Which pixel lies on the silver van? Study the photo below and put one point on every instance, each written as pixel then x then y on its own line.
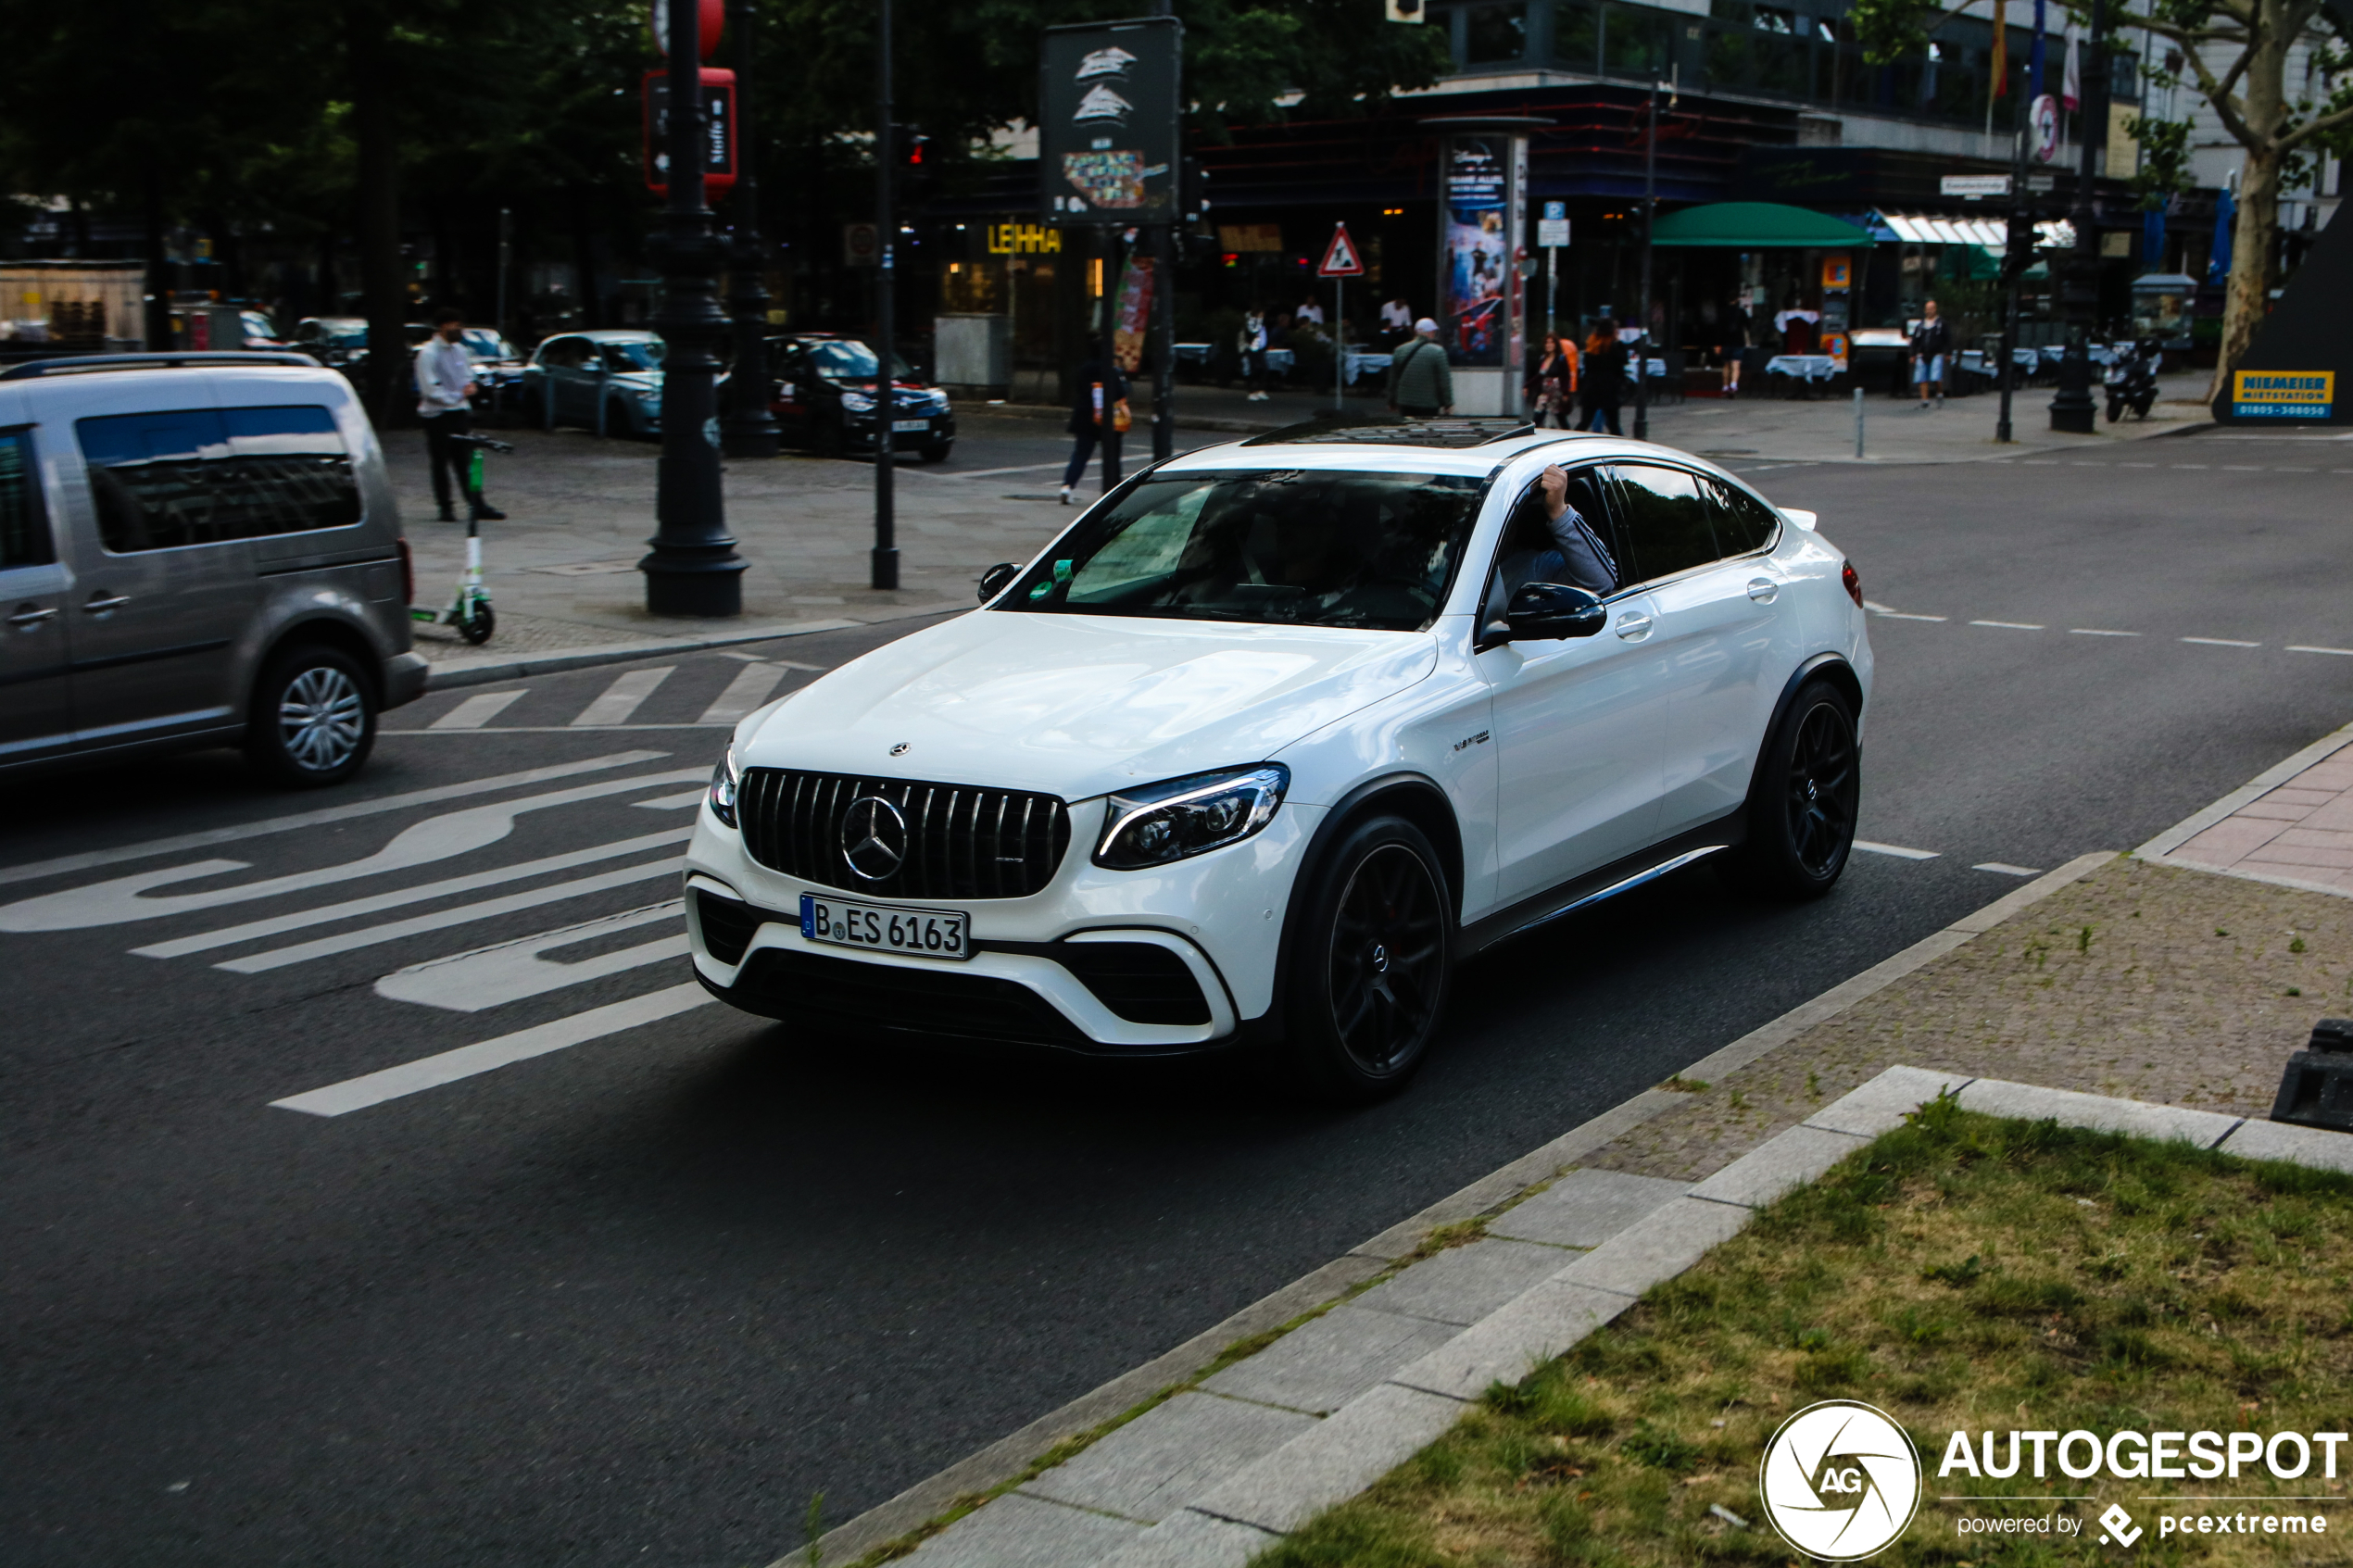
pixel 197 549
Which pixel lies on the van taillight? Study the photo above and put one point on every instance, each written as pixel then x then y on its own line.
pixel 1854 583
pixel 408 574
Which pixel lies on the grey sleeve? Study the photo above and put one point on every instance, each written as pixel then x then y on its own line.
pixel 1445 380
pixel 1586 558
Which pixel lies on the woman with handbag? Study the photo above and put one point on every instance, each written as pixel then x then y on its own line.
pixel 1099 413
pixel 1552 383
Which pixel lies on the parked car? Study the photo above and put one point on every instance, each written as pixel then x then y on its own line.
pixel 197 549
pixel 825 399
pixel 261 332
pixel 608 380
pixel 1275 735
pixel 497 364
pixel 340 341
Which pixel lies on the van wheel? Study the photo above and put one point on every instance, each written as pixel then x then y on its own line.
pixel 1801 817
pixel 1370 964
pixel 314 718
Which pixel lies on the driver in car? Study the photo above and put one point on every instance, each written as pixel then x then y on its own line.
pixel 1578 556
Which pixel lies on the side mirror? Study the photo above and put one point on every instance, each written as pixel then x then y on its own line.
pixel 996 579
pixel 1543 612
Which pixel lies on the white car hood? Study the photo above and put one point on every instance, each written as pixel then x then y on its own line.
pixel 1079 705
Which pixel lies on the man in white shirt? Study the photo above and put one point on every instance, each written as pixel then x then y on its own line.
pixel 445 388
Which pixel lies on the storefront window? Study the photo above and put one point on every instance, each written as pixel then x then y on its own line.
pixel 1496 34
pixel 1637 41
pixel 1577 35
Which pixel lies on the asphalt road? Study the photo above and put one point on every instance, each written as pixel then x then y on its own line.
pixel 637 1299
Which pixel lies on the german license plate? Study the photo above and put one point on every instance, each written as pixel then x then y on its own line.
pixel 932 933
pixel 911 427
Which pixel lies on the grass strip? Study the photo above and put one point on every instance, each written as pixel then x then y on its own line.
pixel 1962 1272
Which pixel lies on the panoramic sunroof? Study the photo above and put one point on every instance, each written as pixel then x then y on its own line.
pixel 1378 430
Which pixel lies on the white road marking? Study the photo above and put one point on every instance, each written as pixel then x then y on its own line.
pixel 441 920
pixel 510 972
pixel 88 858
pixel 485 1056
pixel 671 802
pixel 1901 614
pixel 992 473
pixel 747 690
pixel 617 702
pixel 424 891
pixel 552 730
pixel 2007 870
pixel 2300 647
pixel 2097 631
pixel 2241 467
pixel 2186 465
pixel 2221 643
pixel 2009 625
pixel 436 838
pixel 476 712
pixel 1895 849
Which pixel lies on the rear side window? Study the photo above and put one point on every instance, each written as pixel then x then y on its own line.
pixel 24 530
pixel 1742 522
pixel 205 476
pixel 1666 518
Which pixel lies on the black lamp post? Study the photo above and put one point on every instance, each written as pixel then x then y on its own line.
pixel 883 560
pixel 693 569
pixel 2072 409
pixel 749 429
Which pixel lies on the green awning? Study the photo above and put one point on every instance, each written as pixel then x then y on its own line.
pixel 1759 226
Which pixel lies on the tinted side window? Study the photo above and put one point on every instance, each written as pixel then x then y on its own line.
pixel 1666 518
pixel 24 531
pixel 1742 522
pixel 201 476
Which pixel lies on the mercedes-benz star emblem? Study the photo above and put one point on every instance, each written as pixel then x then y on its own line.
pixel 899 750
pixel 873 837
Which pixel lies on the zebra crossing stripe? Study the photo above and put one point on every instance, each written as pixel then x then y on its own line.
pixel 747 690
pixel 476 712
pixel 620 699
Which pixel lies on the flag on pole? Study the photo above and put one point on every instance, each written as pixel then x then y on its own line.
pixel 2034 60
pixel 2071 79
pixel 2001 53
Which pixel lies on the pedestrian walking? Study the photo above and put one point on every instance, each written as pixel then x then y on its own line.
pixel 1098 415
pixel 1253 344
pixel 1603 378
pixel 1421 384
pixel 1732 352
pixel 1931 340
pixel 445 378
pixel 1552 383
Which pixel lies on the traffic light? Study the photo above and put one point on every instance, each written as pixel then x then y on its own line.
pixel 916 167
pixel 1408 10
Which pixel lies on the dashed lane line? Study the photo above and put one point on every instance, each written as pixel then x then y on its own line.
pixel 1898 850
pixel 64 864
pixel 2003 868
pixel 2300 647
pixel 2220 642
pixel 2010 625
pixel 2097 631
pixel 488 1056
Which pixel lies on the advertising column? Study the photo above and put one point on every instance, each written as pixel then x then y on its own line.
pixel 1482 307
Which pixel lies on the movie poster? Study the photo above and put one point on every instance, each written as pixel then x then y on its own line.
pixel 1132 314
pixel 1479 258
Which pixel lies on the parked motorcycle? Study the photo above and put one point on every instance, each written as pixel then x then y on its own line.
pixel 2132 379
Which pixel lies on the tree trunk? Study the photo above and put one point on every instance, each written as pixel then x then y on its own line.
pixel 2255 233
pixel 368 39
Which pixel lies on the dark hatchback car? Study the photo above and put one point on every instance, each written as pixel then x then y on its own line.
pixel 825 399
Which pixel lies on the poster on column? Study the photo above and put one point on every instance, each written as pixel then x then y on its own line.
pixel 1478 256
pixel 1132 314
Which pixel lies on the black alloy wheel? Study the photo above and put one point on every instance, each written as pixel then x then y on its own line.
pixel 1801 817
pixel 1372 964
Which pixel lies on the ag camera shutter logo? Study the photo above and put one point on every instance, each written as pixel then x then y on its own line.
pixel 1839 1481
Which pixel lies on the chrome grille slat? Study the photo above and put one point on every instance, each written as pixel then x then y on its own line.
pixel 962 842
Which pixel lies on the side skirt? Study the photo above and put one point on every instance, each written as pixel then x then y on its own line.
pixel 1674 854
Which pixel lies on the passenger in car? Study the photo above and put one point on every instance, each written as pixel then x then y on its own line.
pixel 1578 556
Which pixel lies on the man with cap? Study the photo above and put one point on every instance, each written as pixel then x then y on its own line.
pixel 1421 384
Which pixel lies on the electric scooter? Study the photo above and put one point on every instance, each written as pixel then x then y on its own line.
pixel 469 612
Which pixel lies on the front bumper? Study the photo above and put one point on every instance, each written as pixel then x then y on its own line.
pixel 1060 968
pixel 857 433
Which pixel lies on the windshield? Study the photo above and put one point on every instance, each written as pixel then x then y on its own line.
pixel 634 354
pixel 343 334
pixel 1375 550
pixel 840 359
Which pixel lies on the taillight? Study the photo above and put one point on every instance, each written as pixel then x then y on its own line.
pixel 1854 583
pixel 408 573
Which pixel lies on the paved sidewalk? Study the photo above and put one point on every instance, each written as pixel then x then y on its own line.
pixel 2294 825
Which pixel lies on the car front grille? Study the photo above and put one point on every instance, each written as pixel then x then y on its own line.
pixel 961 842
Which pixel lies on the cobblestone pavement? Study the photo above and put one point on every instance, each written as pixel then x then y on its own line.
pixel 2151 982
pixel 2299 828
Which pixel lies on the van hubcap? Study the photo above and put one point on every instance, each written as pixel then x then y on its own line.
pixel 320 718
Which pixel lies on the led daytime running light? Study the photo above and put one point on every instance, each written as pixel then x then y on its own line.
pixel 1180 818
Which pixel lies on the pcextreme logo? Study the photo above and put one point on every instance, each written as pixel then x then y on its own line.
pixel 1840 1480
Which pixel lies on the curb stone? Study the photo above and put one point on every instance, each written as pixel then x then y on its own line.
pixel 1494 1193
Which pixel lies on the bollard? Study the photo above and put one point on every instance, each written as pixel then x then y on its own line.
pixel 1858 424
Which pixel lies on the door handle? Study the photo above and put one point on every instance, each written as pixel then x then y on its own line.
pixel 1764 590
pixel 100 606
pixel 1635 627
pixel 32 616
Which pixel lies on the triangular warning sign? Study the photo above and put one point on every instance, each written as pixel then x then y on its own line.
pixel 1339 257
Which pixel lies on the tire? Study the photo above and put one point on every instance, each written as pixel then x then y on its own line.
pixel 477 628
pixel 1801 812
pixel 1371 958
pixel 936 451
pixel 2113 408
pixel 314 717
pixel 830 443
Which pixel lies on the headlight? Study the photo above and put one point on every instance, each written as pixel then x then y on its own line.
pixel 857 403
pixel 723 779
pixel 649 394
pixel 1177 818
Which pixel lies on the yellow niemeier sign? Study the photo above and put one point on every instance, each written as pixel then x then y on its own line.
pixel 2287 394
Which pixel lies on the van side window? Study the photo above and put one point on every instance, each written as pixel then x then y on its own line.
pixel 24 531
pixel 203 476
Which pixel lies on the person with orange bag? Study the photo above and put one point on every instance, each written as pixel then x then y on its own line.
pixel 1099 413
